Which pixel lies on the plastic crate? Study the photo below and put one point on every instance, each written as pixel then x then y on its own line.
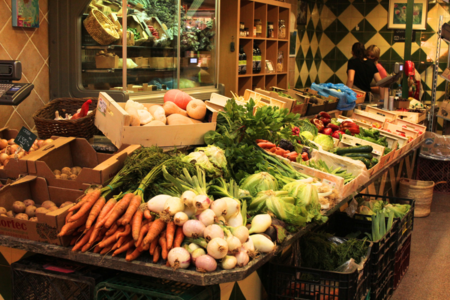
pixel 47 278
pixel 287 282
pixel 402 261
pixel 405 225
pixel 383 288
pixel 148 288
pixel 434 170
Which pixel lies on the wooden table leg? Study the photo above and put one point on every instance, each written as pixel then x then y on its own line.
pixel 393 180
pixel 383 184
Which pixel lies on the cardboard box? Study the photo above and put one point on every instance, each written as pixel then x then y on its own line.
pixel 142 62
pixel 48 226
pixel 14 168
pixel 97 168
pixel 107 62
pixel 402 104
pixel 114 122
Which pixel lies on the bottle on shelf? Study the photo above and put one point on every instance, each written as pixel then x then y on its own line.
pixel 242 62
pixel 282 30
pixel 258 28
pixel 256 60
pixel 270 30
pixel 280 62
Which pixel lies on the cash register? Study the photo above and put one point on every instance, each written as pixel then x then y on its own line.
pixel 12 93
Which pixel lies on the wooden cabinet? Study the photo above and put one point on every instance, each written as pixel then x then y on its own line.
pixel 232 13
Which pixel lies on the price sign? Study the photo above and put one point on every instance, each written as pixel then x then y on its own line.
pixel 25 139
pixel 102 105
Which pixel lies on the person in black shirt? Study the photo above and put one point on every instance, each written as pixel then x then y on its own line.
pixel 361 70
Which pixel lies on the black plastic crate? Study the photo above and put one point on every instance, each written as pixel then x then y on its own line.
pixel 148 288
pixel 383 288
pixel 287 282
pixel 405 225
pixel 313 110
pixel 47 278
pixel 384 262
pixel 402 261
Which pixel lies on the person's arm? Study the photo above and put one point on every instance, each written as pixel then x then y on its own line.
pixel 350 77
pixel 381 70
pixel 377 77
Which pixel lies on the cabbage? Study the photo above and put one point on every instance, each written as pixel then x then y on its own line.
pixel 375 205
pixel 325 141
pixel 259 182
pixel 399 210
pixel 216 156
pixel 308 135
pixel 364 210
pixel 306 195
pixel 200 159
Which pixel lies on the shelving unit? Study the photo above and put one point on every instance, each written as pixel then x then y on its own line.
pixel 233 12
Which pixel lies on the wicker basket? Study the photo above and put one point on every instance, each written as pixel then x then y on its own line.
pixel 94 26
pixel 46 126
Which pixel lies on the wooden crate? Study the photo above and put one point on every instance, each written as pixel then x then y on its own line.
pixel 387 115
pixel 360 96
pixel 412 117
pixel 413 126
pixel 367 118
pixel 397 129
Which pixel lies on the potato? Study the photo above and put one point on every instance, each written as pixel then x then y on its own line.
pixel 64 177
pixel 66 170
pixel 29 202
pixel 31 211
pixel 3 211
pixel 4 215
pixel 11 214
pixel 76 170
pixel 73 177
pixel 42 210
pixel 18 207
pixel 58 176
pixel 66 203
pixel 53 208
pixel 34 219
pixel 57 172
pixel 22 217
pixel 47 204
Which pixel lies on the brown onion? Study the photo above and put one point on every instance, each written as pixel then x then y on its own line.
pixel 39 143
pixel 3 143
pixel 47 141
pixel 3 158
pixel 11 142
pixel 13 149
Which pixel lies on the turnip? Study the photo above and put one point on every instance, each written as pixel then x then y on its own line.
pixel 193 228
pixel 260 223
pixel 206 263
pixel 262 243
pixel 179 258
pixel 219 207
pixel 188 198
pixel 229 262
pixel 207 217
pixel 236 221
pixel 213 231
pixel 242 258
pixel 202 202
pixel 180 218
pixel 233 208
pixel 197 253
pixel 156 204
pixel 217 248
pixel 241 232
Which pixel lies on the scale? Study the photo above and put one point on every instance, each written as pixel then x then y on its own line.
pixel 386 83
pixel 12 93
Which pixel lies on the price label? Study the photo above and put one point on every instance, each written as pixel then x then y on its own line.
pixel 330 183
pixel 25 139
pixel 102 106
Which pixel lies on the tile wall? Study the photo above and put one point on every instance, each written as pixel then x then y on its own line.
pixel 30 46
pixel 324 44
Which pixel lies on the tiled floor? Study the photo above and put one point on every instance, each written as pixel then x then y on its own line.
pixel 429 269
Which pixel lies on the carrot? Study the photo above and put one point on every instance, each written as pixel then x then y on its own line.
pixel 110 239
pixel 136 224
pixel 70 214
pixel 163 244
pixel 156 255
pixel 119 209
pixel 147 214
pixel 143 232
pixel 170 233
pixel 132 208
pixel 86 206
pixel 135 254
pixel 80 203
pixel 123 240
pixel 95 211
pixel 106 250
pixel 97 249
pixel 94 234
pixel 112 229
pixel 153 246
pixel 272 150
pixel 82 228
pixel 124 248
pixel 261 141
pixel 126 232
pixel 68 228
pixel 74 240
pixel 86 247
pixel 107 208
pixel 83 240
pixel 179 237
pixel 102 222
pixel 155 229
pixel 266 145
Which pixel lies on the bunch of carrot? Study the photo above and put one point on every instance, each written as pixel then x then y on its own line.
pixel 119 226
pixel 272 148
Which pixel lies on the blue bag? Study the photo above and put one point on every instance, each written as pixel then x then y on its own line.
pixel 346 96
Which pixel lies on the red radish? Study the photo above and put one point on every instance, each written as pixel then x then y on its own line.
pixel 180 98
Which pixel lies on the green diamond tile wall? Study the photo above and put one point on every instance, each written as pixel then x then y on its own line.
pixel 333 26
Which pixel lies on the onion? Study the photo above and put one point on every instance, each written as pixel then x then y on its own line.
pixel 156 204
pixel 188 198
pixel 219 207
pixel 202 202
pixel 221 220
pixel 217 248
pixel 47 141
pixel 233 208
pixel 180 218
pixel 191 247
pixel 241 232
pixel 189 211
pixel 229 262
pixel 179 258
pixel 213 231
pixel 39 143
pixel 193 228
pixel 3 144
pixel 234 244
pixel 11 142
pixel 207 217
pixel 20 154
pixel 242 258
pixel 206 263
pixel 196 253
pixel 173 205
pixel 236 221
pixel 6 162
pixel 13 149
pixel 250 248
pixel 260 223
pixel 262 243
pixel 3 158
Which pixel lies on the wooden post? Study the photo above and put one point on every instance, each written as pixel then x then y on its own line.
pixel 408 38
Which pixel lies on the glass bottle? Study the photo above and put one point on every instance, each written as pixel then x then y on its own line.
pixel 247 32
pixel 270 30
pixel 242 25
pixel 254 60
pixel 282 30
pixel 258 26
pixel 280 62
pixel 244 62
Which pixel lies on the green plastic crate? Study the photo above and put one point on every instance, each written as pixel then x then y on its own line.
pixel 149 288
